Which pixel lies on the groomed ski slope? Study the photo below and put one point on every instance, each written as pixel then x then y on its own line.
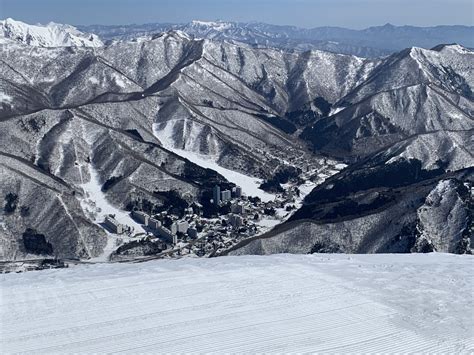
pixel 322 303
pixel 97 203
pixel 249 185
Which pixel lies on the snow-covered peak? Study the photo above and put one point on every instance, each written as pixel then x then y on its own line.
pixel 50 35
pixel 454 48
pixel 215 25
pixel 445 50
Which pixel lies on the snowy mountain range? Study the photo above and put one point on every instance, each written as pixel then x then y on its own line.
pixel 120 126
pixel 371 42
pixel 50 35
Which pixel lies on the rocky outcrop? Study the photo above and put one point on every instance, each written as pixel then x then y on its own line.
pixel 445 219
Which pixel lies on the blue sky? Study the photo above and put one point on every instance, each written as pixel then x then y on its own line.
pixel 303 13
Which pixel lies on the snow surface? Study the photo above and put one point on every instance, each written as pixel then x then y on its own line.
pixel 96 203
pixel 335 110
pixel 268 222
pixel 93 80
pixel 411 303
pixel 248 184
pixel 306 188
pixel 4 98
pixel 340 166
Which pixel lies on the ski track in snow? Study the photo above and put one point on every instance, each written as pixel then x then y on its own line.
pixel 95 195
pixel 281 303
pixel 248 184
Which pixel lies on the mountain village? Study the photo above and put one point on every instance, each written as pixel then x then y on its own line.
pixel 237 217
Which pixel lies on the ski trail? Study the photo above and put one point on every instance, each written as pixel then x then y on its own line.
pixel 320 303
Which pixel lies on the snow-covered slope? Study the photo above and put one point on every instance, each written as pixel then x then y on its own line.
pixel 279 304
pixel 50 35
pixel 244 108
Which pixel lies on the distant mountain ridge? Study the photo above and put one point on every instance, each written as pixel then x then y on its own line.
pixel 50 35
pixel 370 42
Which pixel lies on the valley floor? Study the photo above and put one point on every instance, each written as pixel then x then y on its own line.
pixel 282 303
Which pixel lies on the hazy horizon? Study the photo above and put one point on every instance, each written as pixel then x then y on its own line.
pixel 223 20
pixel 301 13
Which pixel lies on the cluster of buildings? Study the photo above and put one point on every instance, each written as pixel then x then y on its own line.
pixel 236 221
pixel 168 234
pixel 154 225
pixel 203 235
pixel 238 217
pixel 219 196
pixel 198 235
pixel 237 208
